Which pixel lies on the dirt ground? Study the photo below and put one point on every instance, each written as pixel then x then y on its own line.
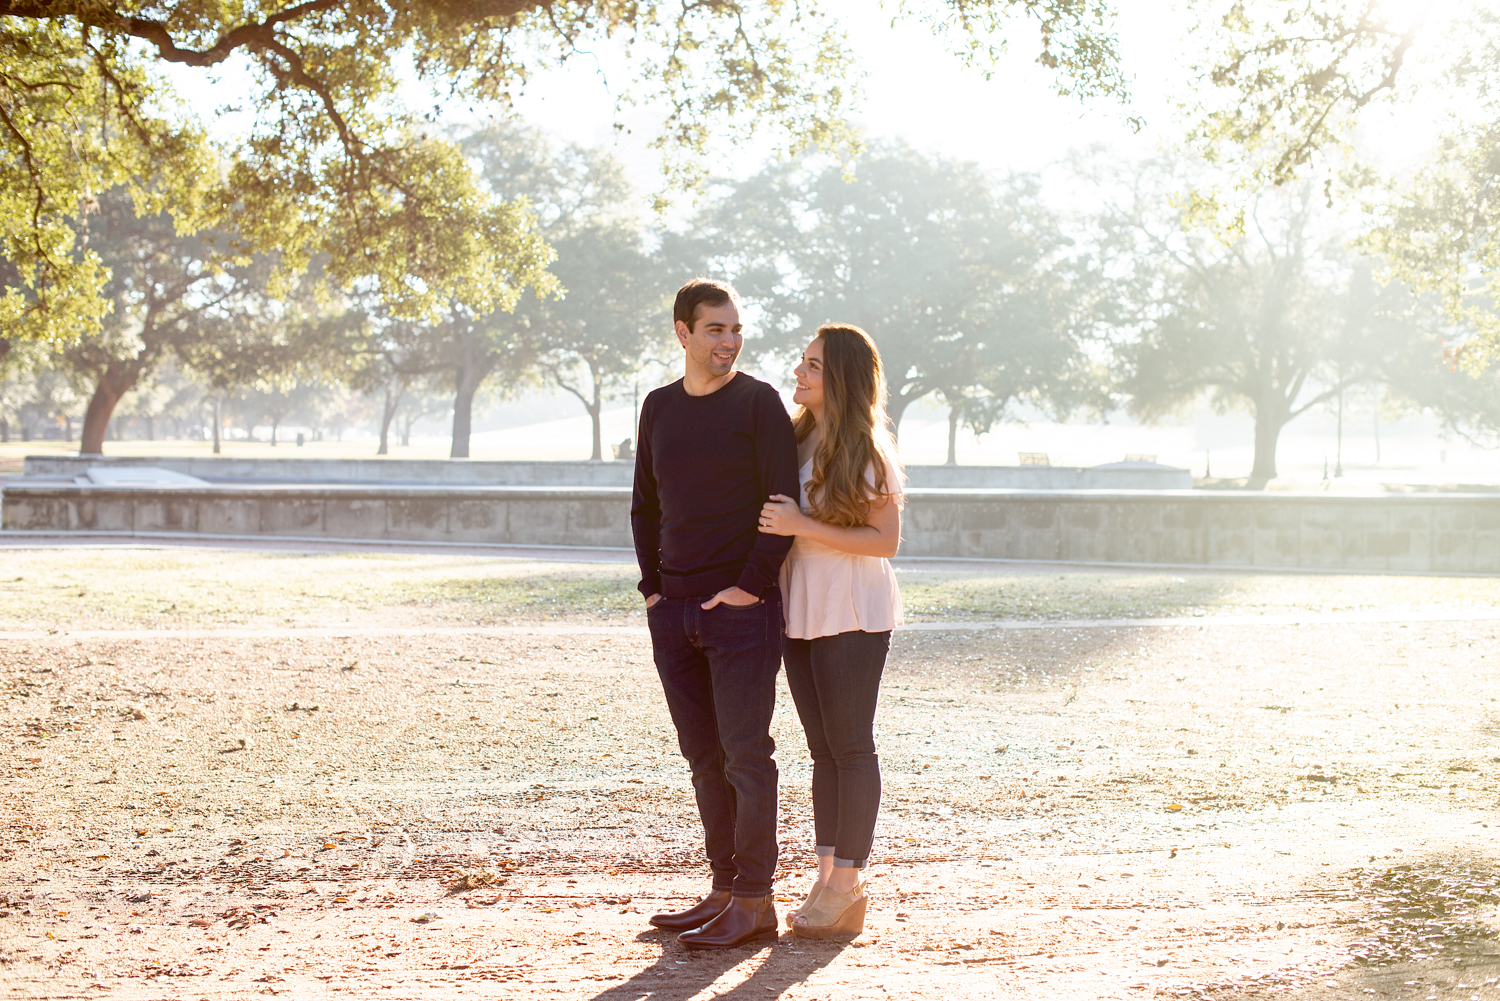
pixel 372 798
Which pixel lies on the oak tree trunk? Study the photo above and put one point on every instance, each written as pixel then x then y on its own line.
pixel 463 413
pixel 388 414
pixel 473 368
pixel 897 406
pixel 114 383
pixel 953 415
pixel 594 410
pixel 1268 427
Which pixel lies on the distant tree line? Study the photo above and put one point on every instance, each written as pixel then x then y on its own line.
pixel 982 294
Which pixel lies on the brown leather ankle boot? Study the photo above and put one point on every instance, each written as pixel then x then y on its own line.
pixel 696 916
pixel 746 919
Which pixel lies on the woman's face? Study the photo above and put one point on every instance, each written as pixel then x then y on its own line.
pixel 809 391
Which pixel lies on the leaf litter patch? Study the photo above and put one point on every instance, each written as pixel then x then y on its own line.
pixel 1421 912
pixel 1438 912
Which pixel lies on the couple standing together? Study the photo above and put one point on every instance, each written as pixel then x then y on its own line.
pixel 762 537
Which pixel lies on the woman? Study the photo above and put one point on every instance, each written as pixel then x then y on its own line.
pixel 841 603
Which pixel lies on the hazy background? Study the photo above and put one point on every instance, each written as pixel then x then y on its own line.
pixel 916 90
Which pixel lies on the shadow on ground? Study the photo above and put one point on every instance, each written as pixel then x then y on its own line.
pixel 683 973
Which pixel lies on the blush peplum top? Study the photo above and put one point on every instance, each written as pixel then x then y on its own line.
pixel 826 592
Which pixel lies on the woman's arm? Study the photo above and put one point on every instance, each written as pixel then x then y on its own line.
pixel 881 537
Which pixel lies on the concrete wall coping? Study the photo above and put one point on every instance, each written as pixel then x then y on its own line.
pixel 310 490
pixel 535 472
pixel 314 490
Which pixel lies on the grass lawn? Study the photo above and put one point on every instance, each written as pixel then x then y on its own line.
pixel 99 588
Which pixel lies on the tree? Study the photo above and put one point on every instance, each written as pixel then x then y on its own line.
pixel 167 394
pixel 390 368
pixel 963 281
pixel 371 352
pixel 471 350
pixel 419 401
pixel 18 366
pixel 334 164
pixel 590 340
pixel 165 291
pixel 276 403
pixel 1466 402
pixel 1280 322
pixel 1436 231
pixel 48 403
pixel 1282 86
pixel 458 354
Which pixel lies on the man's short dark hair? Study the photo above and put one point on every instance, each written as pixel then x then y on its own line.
pixel 701 292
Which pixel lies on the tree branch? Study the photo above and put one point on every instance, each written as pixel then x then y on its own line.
pixel 36 181
pixel 297 73
pixel 256 33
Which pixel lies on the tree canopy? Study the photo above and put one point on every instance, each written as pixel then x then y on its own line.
pixel 1284 85
pixel 167 297
pixel 1279 322
pixel 336 164
pixel 592 338
pixel 964 280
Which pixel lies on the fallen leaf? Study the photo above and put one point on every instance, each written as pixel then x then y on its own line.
pixel 468 879
pixel 1174 807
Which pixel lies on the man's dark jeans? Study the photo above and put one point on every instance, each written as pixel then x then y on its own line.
pixel 718 669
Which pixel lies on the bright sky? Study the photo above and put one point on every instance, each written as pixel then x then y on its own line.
pixel 914 89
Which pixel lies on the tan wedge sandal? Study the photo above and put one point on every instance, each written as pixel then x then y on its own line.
pixel 807 901
pixel 832 914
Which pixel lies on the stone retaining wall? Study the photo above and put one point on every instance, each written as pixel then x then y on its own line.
pixel 1424 532
pixel 481 473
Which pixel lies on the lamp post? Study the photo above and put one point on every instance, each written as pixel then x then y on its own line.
pixel 1338 451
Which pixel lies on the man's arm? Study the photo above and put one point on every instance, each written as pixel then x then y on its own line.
pixel 645 510
pixel 776 462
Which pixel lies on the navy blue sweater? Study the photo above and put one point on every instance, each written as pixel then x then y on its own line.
pixel 704 466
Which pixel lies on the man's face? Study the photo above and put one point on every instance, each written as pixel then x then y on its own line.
pixel 715 340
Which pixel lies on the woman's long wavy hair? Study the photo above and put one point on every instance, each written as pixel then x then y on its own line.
pixel 856 430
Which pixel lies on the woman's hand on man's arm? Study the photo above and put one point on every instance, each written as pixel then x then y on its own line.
pixel 880 537
pixel 782 516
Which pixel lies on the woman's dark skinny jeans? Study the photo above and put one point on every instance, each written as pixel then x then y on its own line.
pixel 835 681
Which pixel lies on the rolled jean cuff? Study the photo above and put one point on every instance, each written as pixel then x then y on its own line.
pixel 843 863
pixel 824 851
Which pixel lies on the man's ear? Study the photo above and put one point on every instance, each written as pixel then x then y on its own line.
pixel 682 333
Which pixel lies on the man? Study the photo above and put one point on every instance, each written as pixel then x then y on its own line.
pixel 714 446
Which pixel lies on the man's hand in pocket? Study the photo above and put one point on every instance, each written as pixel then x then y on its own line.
pixel 731 596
